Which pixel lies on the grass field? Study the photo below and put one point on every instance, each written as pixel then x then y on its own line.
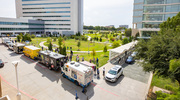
pixel 162 82
pixel 84 45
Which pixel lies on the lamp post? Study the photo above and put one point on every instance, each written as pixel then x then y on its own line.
pixel 15 63
pixel 89 38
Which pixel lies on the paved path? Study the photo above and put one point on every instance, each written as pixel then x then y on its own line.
pixel 42 45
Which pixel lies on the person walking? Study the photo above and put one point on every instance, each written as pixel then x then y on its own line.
pixel 97 60
pixel 104 71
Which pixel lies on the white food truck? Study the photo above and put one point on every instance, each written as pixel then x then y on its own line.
pixel 78 73
pixel 4 40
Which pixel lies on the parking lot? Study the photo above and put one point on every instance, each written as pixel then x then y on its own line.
pixel 42 84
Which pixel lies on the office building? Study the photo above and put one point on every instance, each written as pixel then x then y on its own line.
pixel 149 14
pixel 12 26
pixel 58 16
pixel 123 26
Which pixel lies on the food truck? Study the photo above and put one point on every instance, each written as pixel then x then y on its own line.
pixel 18 47
pixel 4 40
pixel 52 60
pixel 31 51
pixel 78 73
pixel 10 46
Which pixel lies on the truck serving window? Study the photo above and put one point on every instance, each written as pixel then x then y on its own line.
pixel 74 74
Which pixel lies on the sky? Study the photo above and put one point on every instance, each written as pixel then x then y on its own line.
pixel 96 12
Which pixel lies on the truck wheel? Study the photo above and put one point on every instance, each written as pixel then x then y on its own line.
pixel 49 68
pixel 77 83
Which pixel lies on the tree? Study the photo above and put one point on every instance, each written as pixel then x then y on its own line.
pixel 93 53
pixel 60 44
pixel 130 39
pixel 157 52
pixel 64 50
pixel 33 36
pixel 128 32
pixel 115 44
pixel 50 46
pixel 105 50
pixel 174 69
pixel 124 41
pixel 79 44
pixel 19 38
pixel 100 39
pixel 48 40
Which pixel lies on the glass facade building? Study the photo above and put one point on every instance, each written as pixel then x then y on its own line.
pixel 149 14
pixel 58 15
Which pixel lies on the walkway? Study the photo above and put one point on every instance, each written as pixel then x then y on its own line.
pixel 42 45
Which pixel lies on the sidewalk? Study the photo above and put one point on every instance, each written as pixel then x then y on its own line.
pixel 11 91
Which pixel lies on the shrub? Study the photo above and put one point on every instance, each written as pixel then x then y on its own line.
pixel 48 40
pixel 33 36
pixel 115 44
pixel 124 41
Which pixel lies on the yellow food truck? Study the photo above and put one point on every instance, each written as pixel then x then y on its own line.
pixel 31 51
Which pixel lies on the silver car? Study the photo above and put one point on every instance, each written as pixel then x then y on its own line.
pixel 114 73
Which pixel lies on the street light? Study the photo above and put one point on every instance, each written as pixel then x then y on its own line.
pixel 15 63
pixel 89 38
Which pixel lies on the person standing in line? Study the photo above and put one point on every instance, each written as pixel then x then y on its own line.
pixel 82 58
pixel 94 70
pixel 93 60
pixel 90 60
pixel 104 71
pixel 98 73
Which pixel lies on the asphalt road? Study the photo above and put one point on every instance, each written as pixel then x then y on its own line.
pixel 43 84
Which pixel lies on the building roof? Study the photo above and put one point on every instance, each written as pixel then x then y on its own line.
pixel 32 47
pixel 123 48
pixel 87 63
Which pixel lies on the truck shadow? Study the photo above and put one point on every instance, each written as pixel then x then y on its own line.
pixel 50 74
pixel 72 88
pixel 26 59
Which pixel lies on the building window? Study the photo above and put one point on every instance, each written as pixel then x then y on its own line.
pixel 46 3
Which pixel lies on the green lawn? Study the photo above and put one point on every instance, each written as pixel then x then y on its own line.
pixel 102 59
pixel 84 45
pixel 161 82
pixel 36 41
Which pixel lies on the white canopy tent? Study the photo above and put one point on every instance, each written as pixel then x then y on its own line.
pixel 116 52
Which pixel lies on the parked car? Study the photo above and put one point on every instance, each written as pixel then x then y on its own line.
pixel 1 63
pixel 114 73
pixel 134 54
pixel 129 60
pixel 38 35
